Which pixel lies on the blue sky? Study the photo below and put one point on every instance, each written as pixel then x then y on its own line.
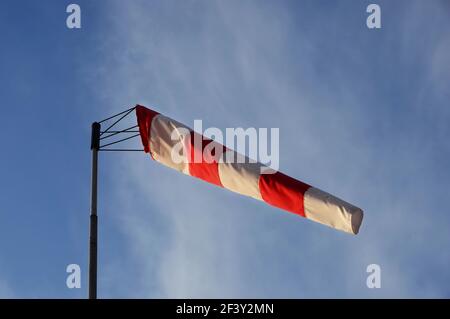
pixel 362 114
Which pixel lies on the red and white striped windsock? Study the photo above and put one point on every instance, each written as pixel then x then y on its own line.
pixel 176 146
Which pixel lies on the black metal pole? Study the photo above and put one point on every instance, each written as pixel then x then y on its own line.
pixel 95 145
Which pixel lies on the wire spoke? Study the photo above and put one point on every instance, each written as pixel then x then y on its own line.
pixel 121 118
pixel 115 142
pixel 120 150
pixel 111 117
pixel 127 130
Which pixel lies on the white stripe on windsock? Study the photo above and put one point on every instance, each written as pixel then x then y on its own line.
pixel 329 210
pixel 242 178
pixel 165 134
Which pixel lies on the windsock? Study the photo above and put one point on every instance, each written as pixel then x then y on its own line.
pixel 179 147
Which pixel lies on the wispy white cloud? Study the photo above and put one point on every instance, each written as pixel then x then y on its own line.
pixel 240 64
pixel 6 291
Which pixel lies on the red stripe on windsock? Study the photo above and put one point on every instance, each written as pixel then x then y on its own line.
pixel 204 165
pixel 283 191
pixel 145 117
